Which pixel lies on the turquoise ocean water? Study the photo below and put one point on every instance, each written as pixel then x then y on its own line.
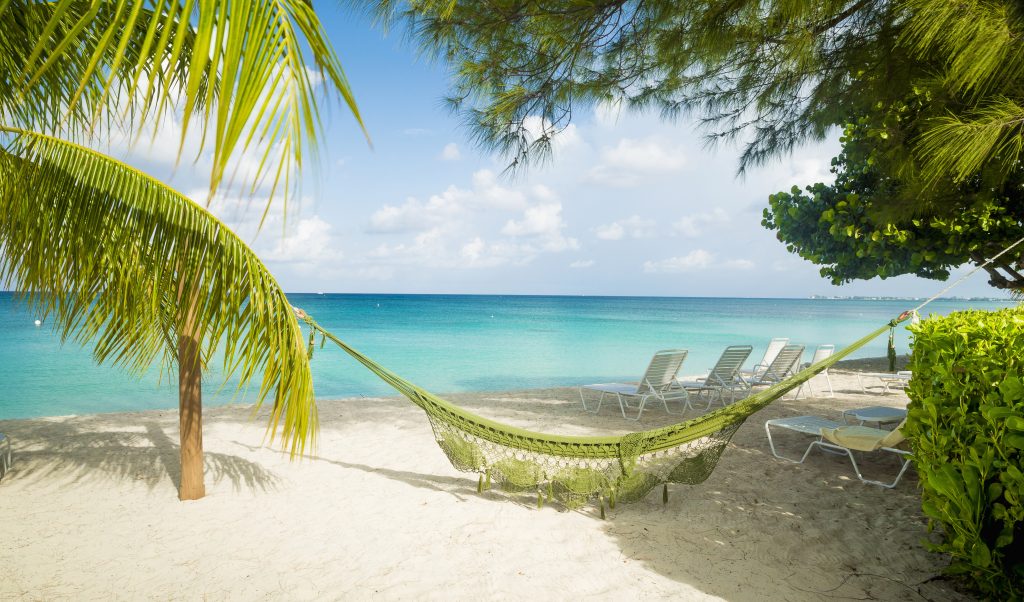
pixel 459 343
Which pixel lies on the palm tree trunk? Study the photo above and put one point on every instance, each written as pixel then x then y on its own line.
pixel 190 410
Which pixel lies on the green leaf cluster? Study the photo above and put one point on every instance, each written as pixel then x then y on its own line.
pixel 877 219
pixel 965 424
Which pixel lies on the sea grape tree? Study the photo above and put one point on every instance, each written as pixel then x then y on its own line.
pixel 871 222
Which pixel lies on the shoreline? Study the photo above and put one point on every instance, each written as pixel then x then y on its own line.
pixel 91 511
pixel 868 364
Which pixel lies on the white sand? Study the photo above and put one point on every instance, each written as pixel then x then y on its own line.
pixel 90 511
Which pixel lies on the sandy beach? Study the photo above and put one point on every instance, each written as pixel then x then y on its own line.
pixel 89 511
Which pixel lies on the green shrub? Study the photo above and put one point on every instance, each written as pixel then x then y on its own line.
pixel 966 427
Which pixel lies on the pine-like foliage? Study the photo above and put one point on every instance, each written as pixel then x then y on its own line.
pixel 772 73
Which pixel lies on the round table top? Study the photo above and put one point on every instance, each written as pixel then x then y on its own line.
pixel 877 414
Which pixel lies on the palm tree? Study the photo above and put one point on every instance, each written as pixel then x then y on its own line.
pixel 123 262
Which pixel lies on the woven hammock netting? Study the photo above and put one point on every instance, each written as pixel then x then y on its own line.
pixel 577 470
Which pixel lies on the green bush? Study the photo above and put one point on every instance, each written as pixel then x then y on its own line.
pixel 966 427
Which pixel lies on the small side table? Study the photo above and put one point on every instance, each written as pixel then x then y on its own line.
pixel 880 414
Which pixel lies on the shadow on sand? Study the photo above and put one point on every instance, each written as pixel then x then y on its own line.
pixel 804 543
pixel 788 525
pixel 77 449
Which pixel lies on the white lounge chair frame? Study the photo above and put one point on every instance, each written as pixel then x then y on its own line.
pixel 784 364
pixel 821 352
pixel 725 376
pixel 658 382
pixel 808 425
pixel 5 454
pixel 813 425
pixel 832 447
pixel 774 347
pixel 889 379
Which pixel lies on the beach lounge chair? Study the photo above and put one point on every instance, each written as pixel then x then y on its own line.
pixel 836 437
pixel 5 454
pixel 808 425
pixel 820 353
pixel 657 383
pixel 889 379
pixel 725 376
pixel 774 347
pixel 784 365
pixel 843 439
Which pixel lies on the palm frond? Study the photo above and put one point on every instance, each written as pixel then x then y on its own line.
pixel 115 257
pixel 243 72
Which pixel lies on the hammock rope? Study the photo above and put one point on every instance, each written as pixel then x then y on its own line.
pixel 576 470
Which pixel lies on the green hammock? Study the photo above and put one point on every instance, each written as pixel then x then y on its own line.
pixel 575 470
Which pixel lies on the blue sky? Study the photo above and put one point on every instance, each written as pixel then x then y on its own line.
pixel 631 205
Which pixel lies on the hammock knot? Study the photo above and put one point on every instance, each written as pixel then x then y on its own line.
pixel 901 318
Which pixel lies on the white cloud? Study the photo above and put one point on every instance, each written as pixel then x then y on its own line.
pixel 315 79
pixel 607 113
pixel 489 194
pixel 432 249
pixel 633 226
pixel 582 264
pixel 450 152
pixel 543 193
pixel 698 259
pixel 477 253
pixel 307 242
pixel 569 138
pixel 426 248
pixel 612 231
pixel 697 224
pixel 414 215
pixel 739 264
pixel 537 220
pixel 485 226
pixel 647 155
pixel 454 205
pixel 808 171
pixel 695 260
pixel 561 140
pixel 158 143
pixel 545 223
pixel 623 164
